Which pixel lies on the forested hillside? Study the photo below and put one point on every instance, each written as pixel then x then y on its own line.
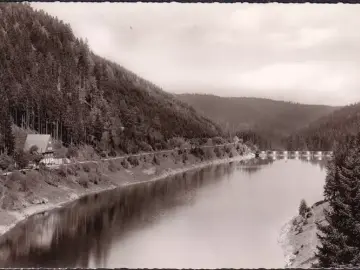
pixel 273 118
pixel 51 82
pixel 323 133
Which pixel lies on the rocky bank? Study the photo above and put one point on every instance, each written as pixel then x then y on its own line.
pixel 299 239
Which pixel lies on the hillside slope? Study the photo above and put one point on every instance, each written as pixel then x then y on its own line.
pixel 51 82
pixel 241 113
pixel 326 131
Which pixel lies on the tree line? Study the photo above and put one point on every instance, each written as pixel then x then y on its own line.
pixel 328 131
pixel 339 235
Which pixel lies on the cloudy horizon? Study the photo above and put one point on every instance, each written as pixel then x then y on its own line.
pixel 303 53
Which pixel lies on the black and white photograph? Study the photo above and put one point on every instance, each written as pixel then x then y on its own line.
pixel 179 135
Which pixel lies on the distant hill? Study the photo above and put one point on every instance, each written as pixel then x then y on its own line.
pixel 51 82
pixel 241 113
pixel 323 133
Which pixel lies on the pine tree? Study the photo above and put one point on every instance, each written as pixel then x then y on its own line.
pixel 340 236
pixel 8 139
pixel 303 208
pixel 49 74
pixel 340 153
pixel 98 128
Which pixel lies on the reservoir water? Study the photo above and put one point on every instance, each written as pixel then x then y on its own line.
pixel 225 216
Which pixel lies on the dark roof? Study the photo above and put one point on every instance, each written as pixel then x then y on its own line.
pixel 40 140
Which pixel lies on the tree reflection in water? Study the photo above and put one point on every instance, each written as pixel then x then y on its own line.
pixel 322 162
pixel 255 165
pixel 84 231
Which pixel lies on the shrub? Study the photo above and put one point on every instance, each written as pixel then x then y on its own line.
pixel 197 152
pixel 59 150
pixel 165 145
pixel 303 208
pixel 33 178
pixel 133 161
pixel 125 164
pixel 217 152
pixel 17 176
pixel 22 158
pixel 195 142
pixel 86 167
pixel 218 140
pixel 176 142
pixel 208 153
pixel 36 158
pixel 42 167
pixel 9 201
pixel 94 178
pixel 83 180
pixel 112 153
pixel 70 170
pixel 62 171
pixel 86 152
pixel 250 145
pixel 294 222
pixel 203 141
pixel 71 152
pixel 5 162
pixel 145 147
pixel 33 149
pixel 240 149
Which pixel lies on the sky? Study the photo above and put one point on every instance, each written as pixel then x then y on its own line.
pixel 307 53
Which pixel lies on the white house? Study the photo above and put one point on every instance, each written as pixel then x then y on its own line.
pixel 55 161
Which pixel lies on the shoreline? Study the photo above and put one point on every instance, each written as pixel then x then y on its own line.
pixel 72 194
pixel 298 237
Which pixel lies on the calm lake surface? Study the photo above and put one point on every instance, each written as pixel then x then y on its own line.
pixel 225 216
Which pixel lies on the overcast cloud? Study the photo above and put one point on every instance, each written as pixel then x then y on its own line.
pixel 305 53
